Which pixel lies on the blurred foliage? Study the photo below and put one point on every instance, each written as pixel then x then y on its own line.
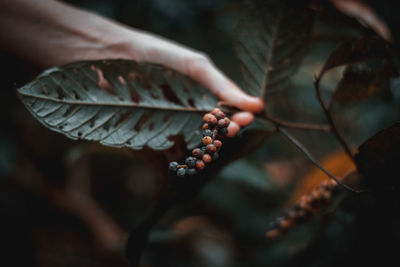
pixel 72 203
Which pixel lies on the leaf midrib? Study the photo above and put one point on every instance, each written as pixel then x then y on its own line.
pixel 271 55
pixel 123 105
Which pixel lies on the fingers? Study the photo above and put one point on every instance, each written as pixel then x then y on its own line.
pixel 233 129
pixel 203 70
pixel 238 120
pixel 198 66
pixel 242 118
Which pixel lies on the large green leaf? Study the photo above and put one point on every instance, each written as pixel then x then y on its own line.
pixel 272 37
pixel 119 103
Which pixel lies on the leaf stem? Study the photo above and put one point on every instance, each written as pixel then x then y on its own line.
pixel 329 118
pixel 301 147
pixel 298 125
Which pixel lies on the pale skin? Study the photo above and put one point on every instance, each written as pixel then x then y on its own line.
pixel 48 33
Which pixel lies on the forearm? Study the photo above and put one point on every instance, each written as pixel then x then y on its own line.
pixel 50 33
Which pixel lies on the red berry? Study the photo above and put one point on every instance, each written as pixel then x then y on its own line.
pixel 205 126
pixel 200 165
pixel 217 144
pixel 207 140
pixel 215 110
pixel 285 224
pixel 210 119
pixel 273 234
pixel 207 158
pixel 211 148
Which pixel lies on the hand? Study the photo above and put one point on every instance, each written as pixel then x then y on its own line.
pixel 51 33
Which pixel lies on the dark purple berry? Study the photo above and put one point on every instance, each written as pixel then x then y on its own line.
pixel 215 156
pixel 223 131
pixel 198 153
pixel 219 115
pixel 222 123
pixel 191 171
pixel 211 148
pixel 190 162
pixel 207 132
pixel 181 172
pixel 173 166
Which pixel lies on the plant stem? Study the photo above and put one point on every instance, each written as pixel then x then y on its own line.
pixel 313 160
pixel 329 118
pixel 298 125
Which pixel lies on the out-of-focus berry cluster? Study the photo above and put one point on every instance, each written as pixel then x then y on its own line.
pixel 215 127
pixel 307 206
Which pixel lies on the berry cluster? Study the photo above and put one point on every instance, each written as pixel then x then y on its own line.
pixel 215 127
pixel 306 206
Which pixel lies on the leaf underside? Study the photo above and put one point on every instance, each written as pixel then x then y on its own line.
pixel 119 103
pixel 271 39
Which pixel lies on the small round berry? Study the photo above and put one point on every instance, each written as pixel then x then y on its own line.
pixel 181 172
pixel 223 131
pixel 208 132
pixel 272 234
pixel 190 162
pixel 217 144
pixel 173 166
pixel 211 148
pixel 221 123
pixel 200 165
pixel 215 156
pixel 215 110
pixel 228 121
pixel 210 119
pixel 207 140
pixel 286 223
pixel 191 171
pixel 207 158
pixel 198 153
pixel 219 115
pixel 206 126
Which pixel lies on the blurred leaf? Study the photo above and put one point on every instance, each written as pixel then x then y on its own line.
pixel 362 80
pixel 243 171
pixel 362 12
pixel 338 163
pixel 354 51
pixel 271 39
pixel 119 103
pixel 378 158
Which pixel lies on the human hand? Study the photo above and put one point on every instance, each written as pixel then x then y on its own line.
pixel 50 33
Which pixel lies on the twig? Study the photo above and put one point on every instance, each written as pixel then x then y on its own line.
pixel 328 116
pixel 313 160
pixel 298 125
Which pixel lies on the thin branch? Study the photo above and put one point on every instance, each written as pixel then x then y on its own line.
pixel 298 125
pixel 313 160
pixel 328 116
